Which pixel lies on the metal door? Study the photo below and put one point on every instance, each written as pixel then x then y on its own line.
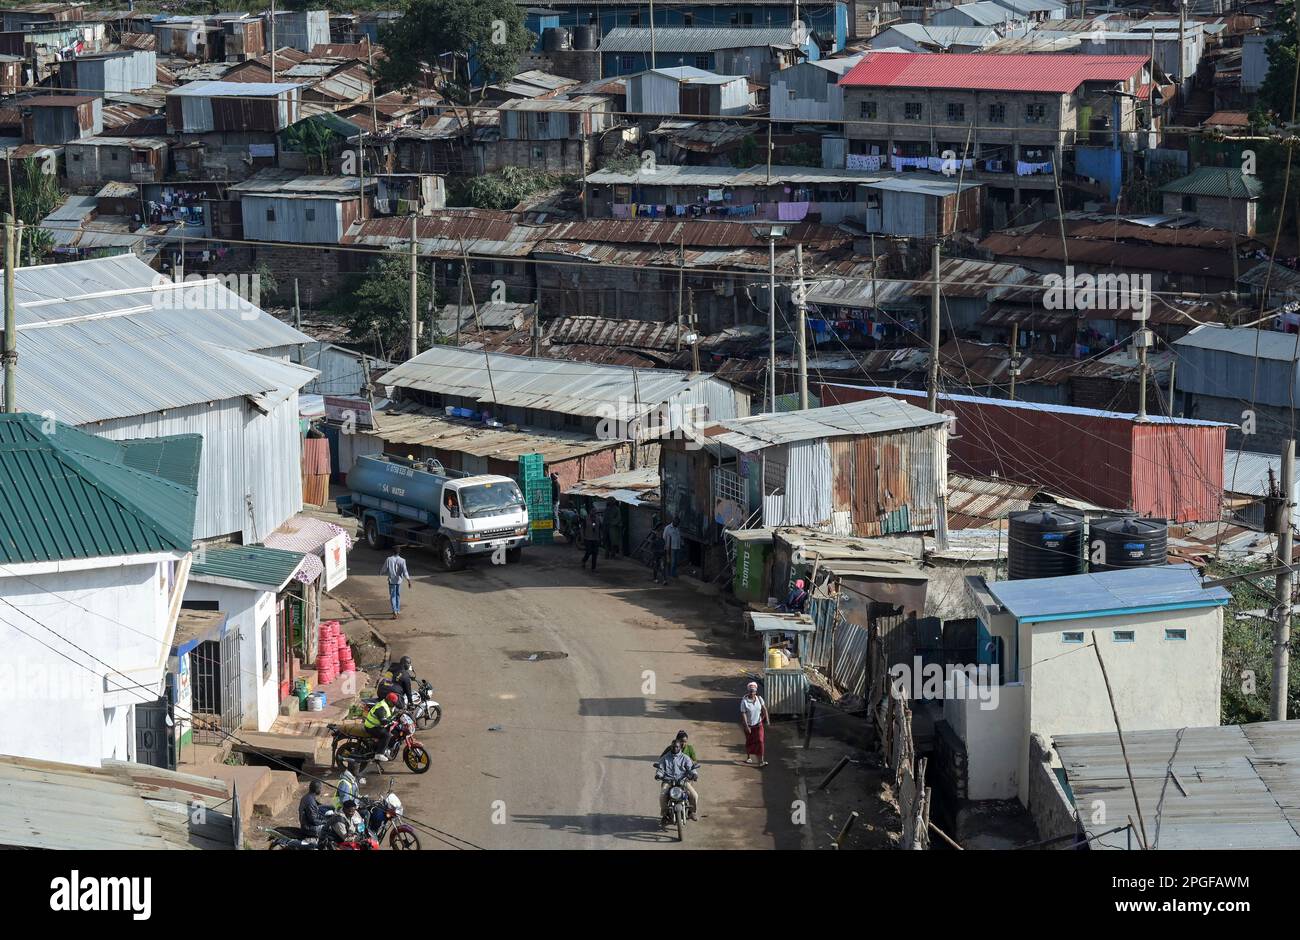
pixel 155 743
pixel 232 711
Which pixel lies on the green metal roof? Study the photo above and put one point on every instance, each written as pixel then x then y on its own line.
pixel 67 494
pixel 1223 182
pixel 252 564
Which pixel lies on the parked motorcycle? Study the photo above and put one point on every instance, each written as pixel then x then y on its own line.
pixel 679 803
pixel 384 820
pixel 350 742
pixel 295 838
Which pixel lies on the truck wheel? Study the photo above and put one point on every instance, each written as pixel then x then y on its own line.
pixel 373 538
pixel 447 555
pixel 513 555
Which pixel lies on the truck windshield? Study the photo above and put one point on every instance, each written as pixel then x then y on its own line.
pixel 490 499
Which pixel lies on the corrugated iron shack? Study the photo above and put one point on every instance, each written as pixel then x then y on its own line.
pixel 57 119
pixel 869 468
pixel 1165 467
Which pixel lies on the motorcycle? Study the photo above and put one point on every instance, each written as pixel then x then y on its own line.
pixel 350 742
pixel 679 803
pixel 384 820
pixel 422 706
pixel 295 838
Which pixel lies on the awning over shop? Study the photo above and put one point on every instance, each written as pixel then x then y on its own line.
pixel 307 535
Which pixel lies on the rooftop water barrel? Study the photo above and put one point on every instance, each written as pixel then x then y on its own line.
pixel 556 39
pixel 586 38
pixel 1127 542
pixel 1044 542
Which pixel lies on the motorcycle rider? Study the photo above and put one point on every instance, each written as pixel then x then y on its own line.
pixel 311 814
pixel 348 784
pixel 399 679
pixel 687 748
pixel 677 766
pixel 378 724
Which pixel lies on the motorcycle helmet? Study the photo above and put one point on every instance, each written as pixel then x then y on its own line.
pixel 406 662
pixel 392 698
pixel 394 803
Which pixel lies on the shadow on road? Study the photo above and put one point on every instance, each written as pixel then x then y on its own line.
pixel 619 825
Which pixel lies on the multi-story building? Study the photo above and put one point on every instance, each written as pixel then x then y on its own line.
pixel 1015 122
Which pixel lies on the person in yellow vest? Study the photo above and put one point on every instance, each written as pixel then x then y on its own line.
pixel 379 723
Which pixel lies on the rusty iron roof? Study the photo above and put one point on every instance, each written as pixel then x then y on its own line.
pixel 429 427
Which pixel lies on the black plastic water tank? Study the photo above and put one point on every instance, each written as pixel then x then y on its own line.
pixel 556 39
pixel 1127 542
pixel 586 37
pixel 1044 542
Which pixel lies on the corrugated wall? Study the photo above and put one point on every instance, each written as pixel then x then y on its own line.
pixel 291 222
pixel 1163 470
pixel 250 459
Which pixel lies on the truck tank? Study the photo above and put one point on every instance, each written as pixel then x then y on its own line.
pixel 414 493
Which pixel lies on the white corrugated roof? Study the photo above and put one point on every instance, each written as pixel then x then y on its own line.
pixel 576 388
pixel 874 416
pixel 110 338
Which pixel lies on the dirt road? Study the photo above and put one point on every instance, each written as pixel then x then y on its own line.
pixel 588 677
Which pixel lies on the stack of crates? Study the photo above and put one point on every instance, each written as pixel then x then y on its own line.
pixel 538 497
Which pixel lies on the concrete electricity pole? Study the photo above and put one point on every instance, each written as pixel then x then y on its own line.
pixel 801 325
pixel 11 322
pixel 1282 631
pixel 415 292
pixel 932 385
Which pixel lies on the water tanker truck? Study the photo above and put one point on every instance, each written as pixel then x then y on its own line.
pixel 417 502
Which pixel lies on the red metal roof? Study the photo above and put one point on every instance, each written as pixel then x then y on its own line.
pixel 1059 74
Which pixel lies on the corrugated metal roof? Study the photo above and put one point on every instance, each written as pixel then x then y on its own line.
pixel 275 181
pixel 269 568
pixel 566 105
pixel 427 427
pixel 978 503
pixel 873 416
pixel 1246 472
pixel 634 487
pixel 758 175
pixel 217 89
pixel 942 36
pixel 45 805
pixel 986 12
pixel 1237 784
pixel 694 38
pixel 1248 342
pixel 922 186
pixel 1106 593
pixel 521 381
pixel 688 74
pixel 1279 278
pixel 485 316
pixel 1216 181
pixel 68 494
pixel 135 343
pixel 1039 406
pixel 1060 74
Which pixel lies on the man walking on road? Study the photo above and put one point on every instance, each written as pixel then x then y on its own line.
pixel 395 569
pixel 591 527
pixel 673 541
pixel 753 716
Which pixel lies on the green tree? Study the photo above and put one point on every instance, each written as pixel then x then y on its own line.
pixel 1248 650
pixel 504 189
pixel 1277 105
pixel 443 34
pixel 382 303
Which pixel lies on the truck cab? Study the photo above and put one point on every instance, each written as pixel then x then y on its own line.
pixel 421 503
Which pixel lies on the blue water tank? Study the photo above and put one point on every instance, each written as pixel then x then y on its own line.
pixel 416 493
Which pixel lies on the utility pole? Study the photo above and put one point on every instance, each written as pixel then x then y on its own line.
pixel 681 278
pixel 932 385
pixel 1173 388
pixel 1282 631
pixel 652 33
pixel 695 337
pixel 771 321
pixel 1014 369
pixel 415 292
pixel 272 42
pixel 801 315
pixel 297 309
pixel 11 322
pixel 1140 341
